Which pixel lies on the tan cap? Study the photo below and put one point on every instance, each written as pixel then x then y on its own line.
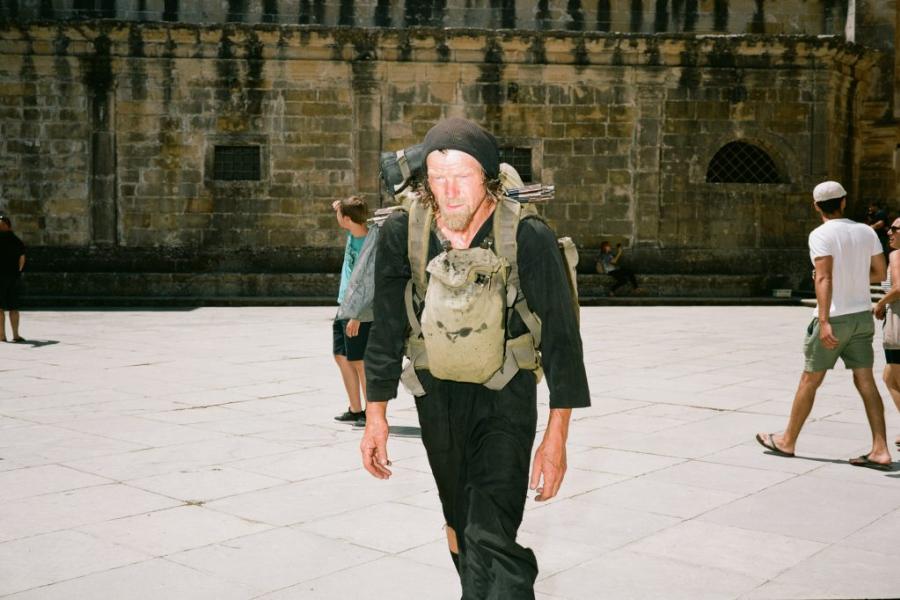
pixel 828 190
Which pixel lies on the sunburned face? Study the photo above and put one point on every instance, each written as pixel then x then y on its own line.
pixel 457 181
pixel 894 234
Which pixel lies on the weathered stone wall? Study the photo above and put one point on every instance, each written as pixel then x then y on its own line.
pixel 728 16
pixel 109 128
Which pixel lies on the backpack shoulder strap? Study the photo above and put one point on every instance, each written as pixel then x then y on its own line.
pixel 420 218
pixel 506 227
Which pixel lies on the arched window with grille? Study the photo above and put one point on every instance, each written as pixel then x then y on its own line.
pixel 740 162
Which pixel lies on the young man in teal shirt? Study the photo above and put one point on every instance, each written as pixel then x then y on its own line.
pixel 351 335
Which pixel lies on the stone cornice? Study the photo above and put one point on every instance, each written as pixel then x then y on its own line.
pixel 423 45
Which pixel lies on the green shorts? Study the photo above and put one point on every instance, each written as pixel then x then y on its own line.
pixel 854 333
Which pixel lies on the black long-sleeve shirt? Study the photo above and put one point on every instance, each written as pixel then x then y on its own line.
pixel 543 280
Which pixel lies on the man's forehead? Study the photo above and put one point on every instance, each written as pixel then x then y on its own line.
pixel 451 160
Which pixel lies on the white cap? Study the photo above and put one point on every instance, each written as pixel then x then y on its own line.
pixel 828 190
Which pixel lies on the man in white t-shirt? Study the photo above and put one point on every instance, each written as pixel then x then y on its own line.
pixel 847 257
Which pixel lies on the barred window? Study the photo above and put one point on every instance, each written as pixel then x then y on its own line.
pixel 236 163
pixel 740 162
pixel 520 159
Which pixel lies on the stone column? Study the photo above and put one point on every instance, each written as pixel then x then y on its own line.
pixel 99 82
pixel 367 129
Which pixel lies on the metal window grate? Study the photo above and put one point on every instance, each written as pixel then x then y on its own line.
pixel 520 158
pixel 740 162
pixel 236 163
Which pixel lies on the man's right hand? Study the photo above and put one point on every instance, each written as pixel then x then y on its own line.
pixel 826 336
pixel 373 446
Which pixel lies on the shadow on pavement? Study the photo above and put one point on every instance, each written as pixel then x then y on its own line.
pixel 35 343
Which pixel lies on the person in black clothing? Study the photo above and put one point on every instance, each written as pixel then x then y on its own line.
pixel 877 218
pixel 608 264
pixel 12 262
pixel 478 440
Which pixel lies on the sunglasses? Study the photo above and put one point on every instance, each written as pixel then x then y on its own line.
pixel 893 229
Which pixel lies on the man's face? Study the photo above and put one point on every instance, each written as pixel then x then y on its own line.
pixel 4 226
pixel 457 181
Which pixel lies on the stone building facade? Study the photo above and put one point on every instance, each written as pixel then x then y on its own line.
pixel 194 149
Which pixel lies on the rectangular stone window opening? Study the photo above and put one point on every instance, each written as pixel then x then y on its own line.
pixel 236 163
pixel 520 159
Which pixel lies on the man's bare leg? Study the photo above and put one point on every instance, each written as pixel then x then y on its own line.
pixel 865 385
pixel 14 322
pixel 453 545
pixel 803 403
pixel 360 368
pixel 2 326
pixel 351 381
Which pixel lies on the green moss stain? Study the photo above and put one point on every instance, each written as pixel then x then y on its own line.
pixel 170 10
pixel 604 15
pixel 637 15
pixel 270 11
pixel 137 74
pixel 346 13
pixel 720 15
pixel 383 13
pixel 490 81
pixel 661 19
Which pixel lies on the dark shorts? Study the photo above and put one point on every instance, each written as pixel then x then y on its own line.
pixel 9 292
pixel 354 348
pixel 892 357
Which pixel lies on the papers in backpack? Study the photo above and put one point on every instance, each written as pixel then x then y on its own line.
pixel 535 192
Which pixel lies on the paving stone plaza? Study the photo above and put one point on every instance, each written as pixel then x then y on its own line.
pixel 191 454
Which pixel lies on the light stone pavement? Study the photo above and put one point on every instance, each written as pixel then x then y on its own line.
pixel 192 455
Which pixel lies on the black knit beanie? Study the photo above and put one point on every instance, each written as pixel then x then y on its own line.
pixel 466 136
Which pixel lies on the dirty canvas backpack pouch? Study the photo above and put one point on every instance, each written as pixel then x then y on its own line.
pixel 463 322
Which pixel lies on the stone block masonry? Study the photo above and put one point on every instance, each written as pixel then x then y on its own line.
pixel 114 137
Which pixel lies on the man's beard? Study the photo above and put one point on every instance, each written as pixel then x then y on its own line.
pixel 458 220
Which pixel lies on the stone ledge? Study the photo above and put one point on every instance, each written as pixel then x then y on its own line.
pixel 422 44
pixel 294 288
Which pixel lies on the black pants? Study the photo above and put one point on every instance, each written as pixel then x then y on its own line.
pixel 479 446
pixel 622 276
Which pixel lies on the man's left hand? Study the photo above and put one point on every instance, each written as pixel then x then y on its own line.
pixel 352 328
pixel 549 464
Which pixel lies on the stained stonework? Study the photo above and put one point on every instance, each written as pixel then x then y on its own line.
pixel 109 129
pixel 636 16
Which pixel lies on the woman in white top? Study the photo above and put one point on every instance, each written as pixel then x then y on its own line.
pixel 890 303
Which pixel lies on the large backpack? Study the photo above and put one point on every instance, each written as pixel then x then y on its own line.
pixel 459 304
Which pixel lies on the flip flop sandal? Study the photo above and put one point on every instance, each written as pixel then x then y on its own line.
pixel 771 447
pixel 865 461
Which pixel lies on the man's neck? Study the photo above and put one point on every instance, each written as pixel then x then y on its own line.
pixel 358 229
pixel 461 240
